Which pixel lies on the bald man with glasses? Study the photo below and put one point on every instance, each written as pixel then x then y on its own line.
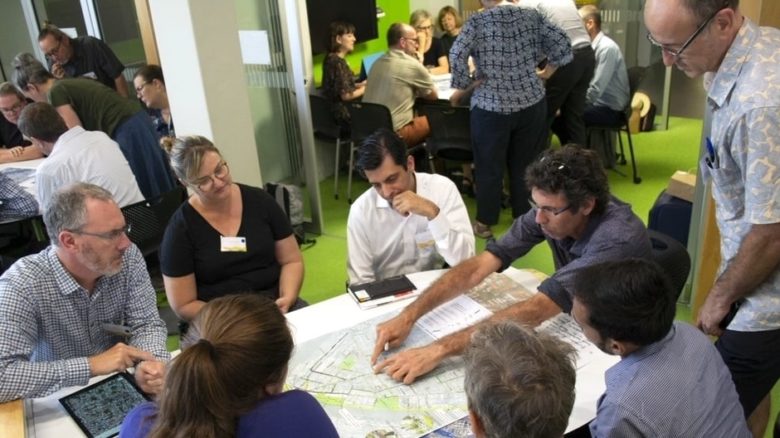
pixel 82 307
pixel 740 63
pixel 571 210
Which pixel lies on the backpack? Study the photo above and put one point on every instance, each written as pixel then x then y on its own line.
pixel 290 198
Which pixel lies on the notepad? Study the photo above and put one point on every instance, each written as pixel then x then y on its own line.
pixel 380 292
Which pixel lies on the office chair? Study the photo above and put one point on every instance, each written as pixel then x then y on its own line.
pixel 635 76
pixel 366 119
pixel 149 218
pixel 673 257
pixel 326 128
pixel 450 137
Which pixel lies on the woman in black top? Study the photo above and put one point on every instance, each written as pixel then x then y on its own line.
pixel 227 238
pixel 449 22
pixel 433 54
pixel 338 81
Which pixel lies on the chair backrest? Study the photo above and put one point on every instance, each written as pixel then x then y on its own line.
pixel 450 136
pixel 149 218
pixel 673 257
pixel 322 117
pixel 367 118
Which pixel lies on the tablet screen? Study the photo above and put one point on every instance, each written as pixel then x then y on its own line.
pixel 99 409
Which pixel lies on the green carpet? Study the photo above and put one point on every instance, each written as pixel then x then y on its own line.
pixel 659 154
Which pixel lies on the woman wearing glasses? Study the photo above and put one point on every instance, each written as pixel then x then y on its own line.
pixel 149 85
pixel 228 380
pixel 95 107
pixel 227 238
pixel 429 48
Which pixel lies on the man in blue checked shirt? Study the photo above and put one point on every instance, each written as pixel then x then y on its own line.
pixel 82 307
pixel 670 381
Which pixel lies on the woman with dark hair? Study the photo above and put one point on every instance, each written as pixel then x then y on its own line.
pixel 449 22
pixel 228 381
pixel 226 238
pixel 338 81
pixel 90 104
pixel 149 85
pixel 429 48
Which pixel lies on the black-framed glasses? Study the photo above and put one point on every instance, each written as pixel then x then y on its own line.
pixel 108 235
pixel 416 39
pixel 421 28
pixel 140 88
pixel 14 109
pixel 547 209
pixel 51 53
pixel 677 52
pixel 205 183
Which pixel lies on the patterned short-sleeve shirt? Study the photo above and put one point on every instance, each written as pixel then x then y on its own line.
pixel 744 98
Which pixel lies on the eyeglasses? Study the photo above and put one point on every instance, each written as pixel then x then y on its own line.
pixel 428 27
pixel 677 52
pixel 205 183
pixel 416 40
pixel 14 109
pixel 108 235
pixel 140 88
pixel 51 53
pixel 548 210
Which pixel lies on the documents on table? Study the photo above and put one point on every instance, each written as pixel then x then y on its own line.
pixel 452 316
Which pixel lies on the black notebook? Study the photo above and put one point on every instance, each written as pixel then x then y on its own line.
pixel 382 291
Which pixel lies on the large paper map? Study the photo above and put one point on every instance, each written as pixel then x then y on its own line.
pixel 335 368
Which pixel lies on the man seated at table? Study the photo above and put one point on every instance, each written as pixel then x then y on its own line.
pixel 670 381
pixel 82 307
pixel 76 155
pixel 408 221
pixel 397 79
pixel 573 211
pixel 13 147
pixel 518 383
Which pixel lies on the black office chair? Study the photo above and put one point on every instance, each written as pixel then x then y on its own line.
pixel 635 76
pixel 673 257
pixel 326 128
pixel 366 118
pixel 450 137
pixel 149 218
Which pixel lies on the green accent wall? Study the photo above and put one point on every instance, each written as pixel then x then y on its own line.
pixel 395 11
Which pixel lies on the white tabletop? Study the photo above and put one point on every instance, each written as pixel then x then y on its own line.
pixel 28 184
pixel 46 417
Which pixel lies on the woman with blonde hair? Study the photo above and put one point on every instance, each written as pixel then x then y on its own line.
pixel 226 238
pixel 429 48
pixel 228 382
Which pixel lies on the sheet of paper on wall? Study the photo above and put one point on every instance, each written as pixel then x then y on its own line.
pixel 254 47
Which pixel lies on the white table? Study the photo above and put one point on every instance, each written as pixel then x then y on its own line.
pixel 46 417
pixel 29 184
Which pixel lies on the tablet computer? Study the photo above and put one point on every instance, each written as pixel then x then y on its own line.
pixel 100 408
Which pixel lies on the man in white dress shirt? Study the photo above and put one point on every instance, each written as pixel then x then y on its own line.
pixel 76 155
pixel 409 221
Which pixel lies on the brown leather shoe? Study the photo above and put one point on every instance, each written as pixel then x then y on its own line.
pixel 482 230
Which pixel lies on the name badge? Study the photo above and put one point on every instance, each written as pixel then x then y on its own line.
pixel 232 244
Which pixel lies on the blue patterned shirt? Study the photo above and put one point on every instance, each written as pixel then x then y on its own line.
pixel 676 387
pixel 507 42
pixel 744 98
pixel 15 203
pixel 50 325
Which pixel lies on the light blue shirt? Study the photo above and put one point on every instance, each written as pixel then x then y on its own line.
pixel 676 387
pixel 744 98
pixel 609 86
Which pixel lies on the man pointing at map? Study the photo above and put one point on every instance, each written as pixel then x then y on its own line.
pixel 573 211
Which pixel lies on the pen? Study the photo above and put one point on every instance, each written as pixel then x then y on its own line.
pixel 712 159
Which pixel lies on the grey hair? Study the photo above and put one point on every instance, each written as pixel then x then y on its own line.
pixel 418 16
pixel 67 208
pixel 519 382
pixel 704 9
pixel 28 70
pixel 187 155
